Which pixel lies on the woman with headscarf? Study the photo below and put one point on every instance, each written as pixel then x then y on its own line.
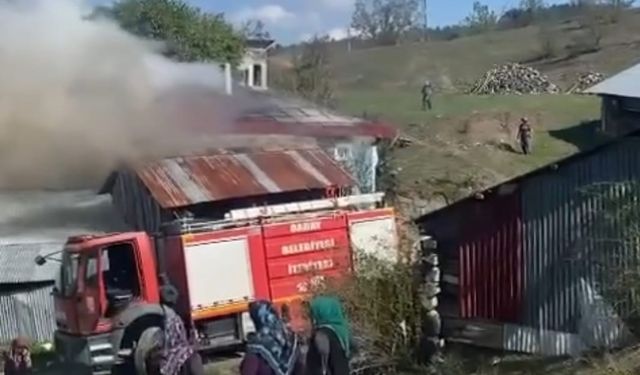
pixel 18 360
pixel 272 349
pixel 178 355
pixel 331 342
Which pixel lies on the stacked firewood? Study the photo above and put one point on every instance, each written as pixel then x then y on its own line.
pixel 515 79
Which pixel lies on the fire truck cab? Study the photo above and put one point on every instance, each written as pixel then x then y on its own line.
pixel 107 298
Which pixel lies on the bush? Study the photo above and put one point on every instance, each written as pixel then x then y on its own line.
pixel 383 304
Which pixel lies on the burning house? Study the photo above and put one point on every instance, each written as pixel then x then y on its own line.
pixel 210 186
pixel 264 117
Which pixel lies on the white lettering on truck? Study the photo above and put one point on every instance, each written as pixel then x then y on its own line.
pixel 309 246
pixel 313 265
pixel 308 226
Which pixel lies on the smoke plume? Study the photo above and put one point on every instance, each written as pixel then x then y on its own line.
pixel 78 96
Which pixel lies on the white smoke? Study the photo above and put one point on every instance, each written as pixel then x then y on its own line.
pixel 78 96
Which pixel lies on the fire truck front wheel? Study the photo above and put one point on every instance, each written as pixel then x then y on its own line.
pixel 147 349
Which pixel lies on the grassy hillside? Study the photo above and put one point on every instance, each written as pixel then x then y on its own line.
pixel 468 142
pixel 452 64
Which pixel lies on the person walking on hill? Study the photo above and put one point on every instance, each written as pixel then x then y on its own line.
pixel 525 136
pixel 427 93
pixel 272 349
pixel 331 342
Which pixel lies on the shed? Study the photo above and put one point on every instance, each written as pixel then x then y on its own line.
pixel 36 223
pixel 620 96
pixel 527 263
pixel 209 186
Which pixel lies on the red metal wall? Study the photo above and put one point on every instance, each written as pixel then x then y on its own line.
pixel 490 259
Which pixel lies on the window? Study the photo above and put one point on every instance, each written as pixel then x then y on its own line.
pixel 342 153
pixel 66 281
pixel 91 274
pixel 119 269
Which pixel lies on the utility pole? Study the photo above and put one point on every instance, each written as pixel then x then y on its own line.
pixel 426 21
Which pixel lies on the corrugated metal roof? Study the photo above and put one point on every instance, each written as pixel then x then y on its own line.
pixel 625 83
pixel 17 262
pixel 281 114
pixel 265 112
pixel 52 216
pixel 184 181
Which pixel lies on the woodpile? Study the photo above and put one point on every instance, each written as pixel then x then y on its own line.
pixel 585 81
pixel 513 78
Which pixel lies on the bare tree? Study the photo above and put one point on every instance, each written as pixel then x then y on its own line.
pixel 312 73
pixel 481 18
pixel 255 29
pixel 385 21
pixel 533 6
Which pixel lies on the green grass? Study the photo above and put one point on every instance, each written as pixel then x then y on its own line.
pixel 457 146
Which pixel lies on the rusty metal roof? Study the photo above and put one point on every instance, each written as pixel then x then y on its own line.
pixel 267 112
pixel 184 181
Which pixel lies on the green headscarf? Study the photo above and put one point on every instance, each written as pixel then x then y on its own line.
pixel 326 312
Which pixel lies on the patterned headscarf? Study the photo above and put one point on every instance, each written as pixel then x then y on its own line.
pixel 272 341
pixel 177 348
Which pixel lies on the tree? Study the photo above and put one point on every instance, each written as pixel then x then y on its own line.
pixel 255 29
pixel 481 18
pixel 385 21
pixel 311 72
pixel 533 6
pixel 189 33
pixel 616 8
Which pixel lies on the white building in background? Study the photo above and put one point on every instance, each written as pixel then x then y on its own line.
pixel 253 67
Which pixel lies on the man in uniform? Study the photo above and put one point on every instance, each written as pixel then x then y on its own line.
pixel 427 92
pixel 525 136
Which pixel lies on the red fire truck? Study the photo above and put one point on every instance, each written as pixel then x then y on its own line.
pixel 107 300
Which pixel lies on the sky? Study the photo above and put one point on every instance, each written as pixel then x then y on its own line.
pixel 291 21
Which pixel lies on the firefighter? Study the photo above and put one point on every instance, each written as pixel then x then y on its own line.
pixel 525 136
pixel 18 360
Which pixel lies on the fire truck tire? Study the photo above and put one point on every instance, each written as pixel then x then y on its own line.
pixel 150 340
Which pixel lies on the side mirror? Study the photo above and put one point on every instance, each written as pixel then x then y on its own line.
pixel 40 260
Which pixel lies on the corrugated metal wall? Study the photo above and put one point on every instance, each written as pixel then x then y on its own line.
pixel 569 236
pixel 563 235
pixel 493 242
pixel 474 237
pixel 27 311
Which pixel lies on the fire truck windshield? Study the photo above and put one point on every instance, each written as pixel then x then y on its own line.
pixel 66 281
